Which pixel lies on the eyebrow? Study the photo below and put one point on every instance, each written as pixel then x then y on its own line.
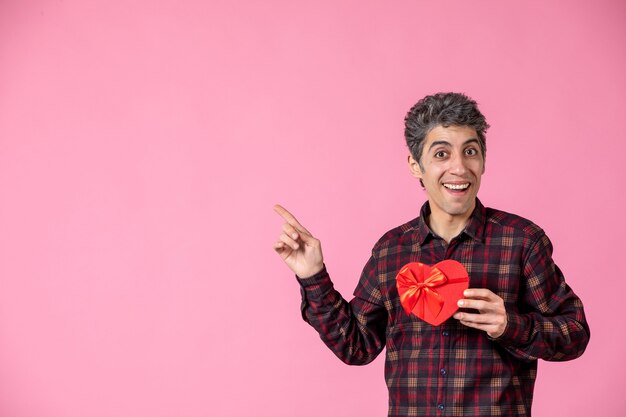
pixel 446 143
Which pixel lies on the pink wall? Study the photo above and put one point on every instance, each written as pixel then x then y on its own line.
pixel 143 144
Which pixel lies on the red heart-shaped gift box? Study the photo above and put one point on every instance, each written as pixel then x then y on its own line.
pixel 432 292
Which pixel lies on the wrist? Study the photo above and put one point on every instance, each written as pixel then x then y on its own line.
pixel 310 272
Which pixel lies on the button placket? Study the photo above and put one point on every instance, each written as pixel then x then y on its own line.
pixel 445 340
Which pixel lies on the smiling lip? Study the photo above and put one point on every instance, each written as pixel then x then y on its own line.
pixel 458 187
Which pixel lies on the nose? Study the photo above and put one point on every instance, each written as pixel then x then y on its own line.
pixel 458 165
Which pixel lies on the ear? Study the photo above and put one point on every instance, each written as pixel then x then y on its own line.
pixel 414 167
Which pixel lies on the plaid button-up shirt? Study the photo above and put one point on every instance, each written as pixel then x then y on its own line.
pixel 451 369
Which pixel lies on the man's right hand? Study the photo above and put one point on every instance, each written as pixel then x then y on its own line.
pixel 297 247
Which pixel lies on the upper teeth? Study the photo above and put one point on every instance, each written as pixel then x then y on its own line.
pixel 456 186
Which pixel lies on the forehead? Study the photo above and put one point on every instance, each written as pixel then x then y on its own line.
pixel 450 136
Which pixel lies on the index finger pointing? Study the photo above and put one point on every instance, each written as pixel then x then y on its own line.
pixel 289 218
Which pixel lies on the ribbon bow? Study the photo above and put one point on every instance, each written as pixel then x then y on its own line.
pixel 411 289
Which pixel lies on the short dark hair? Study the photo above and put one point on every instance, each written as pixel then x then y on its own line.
pixel 442 109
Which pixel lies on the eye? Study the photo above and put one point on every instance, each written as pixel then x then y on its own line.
pixel 471 152
pixel 440 154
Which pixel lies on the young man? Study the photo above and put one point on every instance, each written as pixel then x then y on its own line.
pixel 483 360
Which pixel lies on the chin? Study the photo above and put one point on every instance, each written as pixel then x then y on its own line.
pixel 459 210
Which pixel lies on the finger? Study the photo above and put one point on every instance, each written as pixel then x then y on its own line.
pixel 469 324
pixel 479 326
pixel 289 218
pixel 484 319
pixel 480 305
pixel 279 246
pixel 287 240
pixel 492 329
pixel 283 250
pixel 480 294
pixel 290 231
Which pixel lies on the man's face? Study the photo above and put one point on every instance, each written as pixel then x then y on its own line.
pixel 451 166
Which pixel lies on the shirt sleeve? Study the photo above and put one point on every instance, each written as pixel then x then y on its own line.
pixel 355 330
pixel 550 323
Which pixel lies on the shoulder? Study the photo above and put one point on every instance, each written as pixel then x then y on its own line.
pixel 403 235
pixel 512 224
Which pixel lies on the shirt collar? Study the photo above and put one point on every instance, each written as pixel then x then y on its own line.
pixel 475 225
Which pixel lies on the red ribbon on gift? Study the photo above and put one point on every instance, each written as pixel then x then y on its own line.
pixel 412 289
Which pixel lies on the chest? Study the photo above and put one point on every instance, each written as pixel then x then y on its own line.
pixel 496 264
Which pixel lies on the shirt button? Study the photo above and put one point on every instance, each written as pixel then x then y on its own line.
pixel 441 407
pixel 445 333
pixel 443 372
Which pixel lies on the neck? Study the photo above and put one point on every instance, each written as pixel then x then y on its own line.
pixel 447 226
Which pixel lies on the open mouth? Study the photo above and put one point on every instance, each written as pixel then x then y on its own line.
pixel 457 187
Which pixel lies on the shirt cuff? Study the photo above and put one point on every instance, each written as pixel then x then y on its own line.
pixel 316 286
pixel 516 332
